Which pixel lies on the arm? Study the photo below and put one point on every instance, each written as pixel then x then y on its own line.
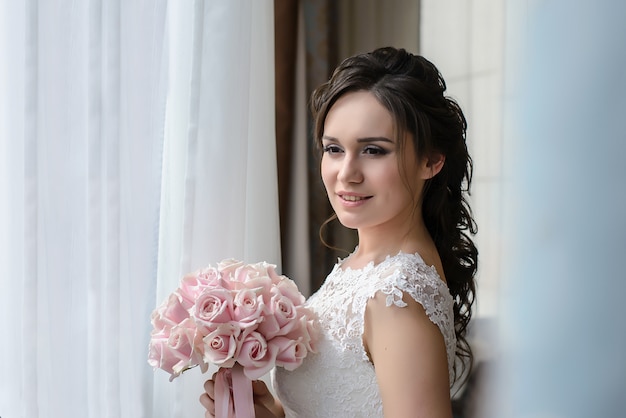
pixel 409 356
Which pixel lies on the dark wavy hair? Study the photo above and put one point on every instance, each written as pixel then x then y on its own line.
pixel 411 88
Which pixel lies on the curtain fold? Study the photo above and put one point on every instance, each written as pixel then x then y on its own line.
pixel 286 43
pixel 80 141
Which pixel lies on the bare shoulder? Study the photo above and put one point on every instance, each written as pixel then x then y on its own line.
pixel 409 356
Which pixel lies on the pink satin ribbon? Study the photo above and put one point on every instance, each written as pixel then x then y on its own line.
pixel 233 393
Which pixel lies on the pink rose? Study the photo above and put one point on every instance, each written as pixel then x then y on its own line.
pixel 192 285
pixel 274 277
pixel 289 289
pixel 251 276
pixel 291 353
pixel 280 317
pixel 159 355
pixel 169 314
pixel 248 307
pixel 213 307
pixel 261 285
pixel 229 266
pixel 174 350
pixel 250 271
pixel 307 331
pixel 208 276
pixel 220 346
pixel 312 332
pixel 182 342
pixel 256 357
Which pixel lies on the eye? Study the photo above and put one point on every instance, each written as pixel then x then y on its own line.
pixel 332 149
pixel 374 150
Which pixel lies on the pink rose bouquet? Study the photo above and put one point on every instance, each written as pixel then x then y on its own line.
pixel 244 318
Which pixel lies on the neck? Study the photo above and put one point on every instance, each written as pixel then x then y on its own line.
pixel 377 243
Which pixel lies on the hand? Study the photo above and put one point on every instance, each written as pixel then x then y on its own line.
pixel 265 405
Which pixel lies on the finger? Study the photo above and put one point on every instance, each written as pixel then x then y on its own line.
pixel 208 403
pixel 209 388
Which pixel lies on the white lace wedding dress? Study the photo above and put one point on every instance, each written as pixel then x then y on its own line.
pixel 339 380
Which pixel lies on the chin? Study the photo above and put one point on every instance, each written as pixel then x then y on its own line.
pixel 347 222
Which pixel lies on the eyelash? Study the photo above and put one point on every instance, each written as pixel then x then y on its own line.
pixel 368 150
pixel 331 149
pixel 373 150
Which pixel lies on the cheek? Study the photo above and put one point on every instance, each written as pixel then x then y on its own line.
pixel 385 176
pixel 394 186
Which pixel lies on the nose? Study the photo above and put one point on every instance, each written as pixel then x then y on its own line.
pixel 350 170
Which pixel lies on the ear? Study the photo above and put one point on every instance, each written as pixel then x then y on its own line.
pixel 432 165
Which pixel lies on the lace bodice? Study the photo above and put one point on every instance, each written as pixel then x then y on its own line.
pixel 339 380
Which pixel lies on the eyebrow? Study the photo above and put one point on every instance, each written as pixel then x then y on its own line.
pixel 361 140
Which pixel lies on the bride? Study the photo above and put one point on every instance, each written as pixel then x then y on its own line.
pixel 394 312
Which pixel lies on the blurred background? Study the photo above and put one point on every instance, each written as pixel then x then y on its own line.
pixel 141 139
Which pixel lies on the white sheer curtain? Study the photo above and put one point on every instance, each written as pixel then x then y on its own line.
pixel 84 145
pixel 220 197
pixel 82 106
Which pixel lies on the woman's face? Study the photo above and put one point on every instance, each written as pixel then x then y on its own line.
pixel 360 166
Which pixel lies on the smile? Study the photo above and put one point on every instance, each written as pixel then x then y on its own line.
pixel 353 198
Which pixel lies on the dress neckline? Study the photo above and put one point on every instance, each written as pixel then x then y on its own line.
pixel 371 265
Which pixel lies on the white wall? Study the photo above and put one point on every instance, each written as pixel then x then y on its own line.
pixel 465 40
